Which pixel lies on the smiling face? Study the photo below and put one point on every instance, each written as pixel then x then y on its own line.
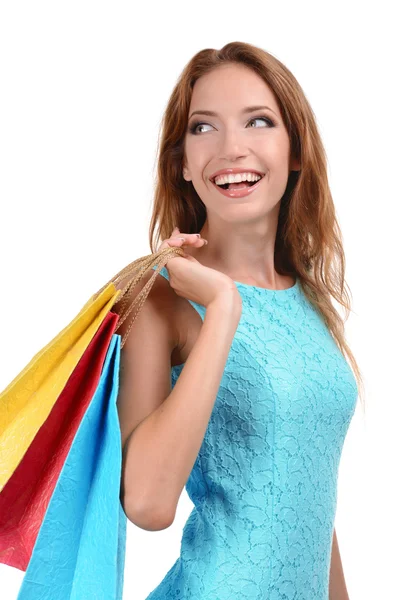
pixel 233 138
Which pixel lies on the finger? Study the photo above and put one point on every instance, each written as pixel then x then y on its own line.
pixel 171 243
pixel 183 239
pixel 190 237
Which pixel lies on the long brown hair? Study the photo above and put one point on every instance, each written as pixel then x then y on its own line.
pixel 308 240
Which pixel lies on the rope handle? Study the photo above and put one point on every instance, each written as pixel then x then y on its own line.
pixel 136 270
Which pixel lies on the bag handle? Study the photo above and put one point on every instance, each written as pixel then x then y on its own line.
pixel 136 271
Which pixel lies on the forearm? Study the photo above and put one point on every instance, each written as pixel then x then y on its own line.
pixel 337 583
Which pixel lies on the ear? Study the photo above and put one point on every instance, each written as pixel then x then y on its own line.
pixel 186 173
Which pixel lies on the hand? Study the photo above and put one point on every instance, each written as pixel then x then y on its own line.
pixel 192 280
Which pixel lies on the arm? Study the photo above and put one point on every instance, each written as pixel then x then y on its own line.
pixel 337 584
pixel 162 449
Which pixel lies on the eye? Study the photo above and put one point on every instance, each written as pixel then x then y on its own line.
pixel 196 124
pixel 265 119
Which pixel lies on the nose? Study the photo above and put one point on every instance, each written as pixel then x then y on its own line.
pixel 232 145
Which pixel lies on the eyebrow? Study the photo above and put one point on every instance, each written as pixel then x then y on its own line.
pixel 247 109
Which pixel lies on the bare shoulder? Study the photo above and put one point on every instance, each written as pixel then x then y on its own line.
pixel 160 302
pixel 172 312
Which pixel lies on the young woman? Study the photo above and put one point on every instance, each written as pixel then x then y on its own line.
pixel 234 382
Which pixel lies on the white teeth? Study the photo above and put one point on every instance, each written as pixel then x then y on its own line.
pixel 236 178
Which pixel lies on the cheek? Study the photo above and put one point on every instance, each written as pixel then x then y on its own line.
pixel 197 161
pixel 273 150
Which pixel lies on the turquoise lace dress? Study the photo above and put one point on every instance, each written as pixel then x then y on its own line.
pixel 264 484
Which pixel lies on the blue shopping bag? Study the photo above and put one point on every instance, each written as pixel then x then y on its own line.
pixel 79 552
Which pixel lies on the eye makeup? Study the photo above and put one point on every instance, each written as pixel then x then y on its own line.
pixel 193 126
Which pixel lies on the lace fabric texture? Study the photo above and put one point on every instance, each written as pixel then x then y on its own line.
pixel 264 484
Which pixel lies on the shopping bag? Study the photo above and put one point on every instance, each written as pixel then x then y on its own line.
pixel 25 497
pixel 80 549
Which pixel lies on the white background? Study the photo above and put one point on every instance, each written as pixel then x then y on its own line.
pixel 83 88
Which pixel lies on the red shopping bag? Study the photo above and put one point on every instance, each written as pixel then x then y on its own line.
pixel 25 497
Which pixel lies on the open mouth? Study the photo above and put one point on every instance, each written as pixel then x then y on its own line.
pixel 238 184
pixel 228 186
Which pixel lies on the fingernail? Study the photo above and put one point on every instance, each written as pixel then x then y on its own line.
pixel 205 241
